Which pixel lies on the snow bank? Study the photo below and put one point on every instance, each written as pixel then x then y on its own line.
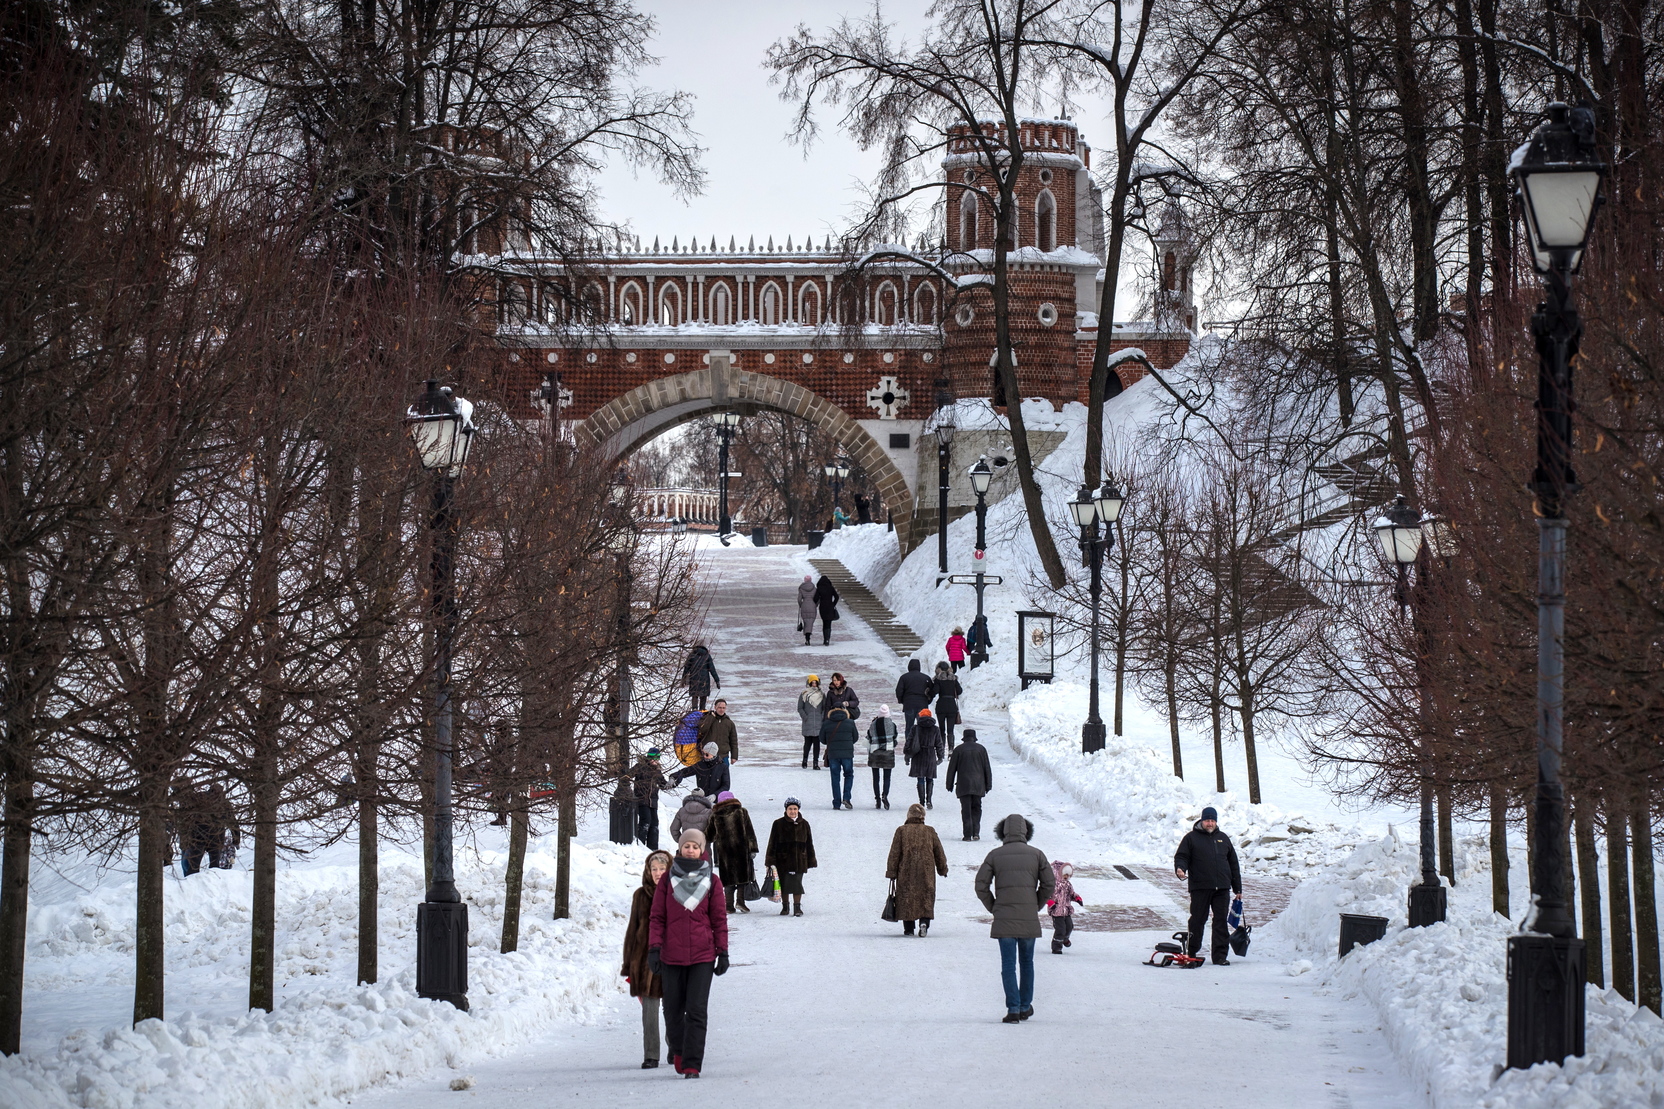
pixel 1442 993
pixel 327 1038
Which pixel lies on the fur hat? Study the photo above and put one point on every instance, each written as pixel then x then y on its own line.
pixel 915 809
pixel 790 801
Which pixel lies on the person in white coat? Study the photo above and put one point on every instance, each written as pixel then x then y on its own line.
pixel 809 711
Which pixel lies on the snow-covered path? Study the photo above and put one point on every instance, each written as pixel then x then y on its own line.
pixel 838 1008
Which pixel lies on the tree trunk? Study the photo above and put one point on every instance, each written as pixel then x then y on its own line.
pixel 1617 879
pixel 1499 853
pixel 1170 678
pixel 566 826
pixel 513 882
pixel 149 971
pixel 14 901
pixel 1447 835
pixel 1588 865
pixel 263 934
pixel 1647 986
pixel 1247 715
pixel 369 879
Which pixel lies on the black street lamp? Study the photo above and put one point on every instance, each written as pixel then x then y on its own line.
pixel 441 426
pixel 982 476
pixel 621 541
pixel 944 429
pixel 1090 509
pixel 726 423
pixel 837 471
pixel 1400 530
pixel 1558 175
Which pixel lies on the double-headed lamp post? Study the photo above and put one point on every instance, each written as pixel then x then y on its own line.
pixel 726 423
pixel 622 541
pixel 1558 176
pixel 442 428
pixel 982 476
pixel 1400 532
pixel 1090 510
pixel 837 470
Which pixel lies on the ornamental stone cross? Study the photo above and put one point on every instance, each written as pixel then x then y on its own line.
pixel 887 397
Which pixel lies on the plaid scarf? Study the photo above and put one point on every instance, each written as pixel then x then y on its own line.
pixel 689 886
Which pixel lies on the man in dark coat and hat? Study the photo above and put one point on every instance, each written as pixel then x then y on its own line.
pixel 1206 859
pixel 914 690
pixel 970 777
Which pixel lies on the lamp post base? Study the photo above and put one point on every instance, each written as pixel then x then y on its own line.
pixel 442 952
pixel 1092 736
pixel 621 814
pixel 1545 999
pixel 1426 905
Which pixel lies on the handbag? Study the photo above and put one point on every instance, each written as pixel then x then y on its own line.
pixel 750 890
pixel 889 913
pixel 1239 936
pixel 835 615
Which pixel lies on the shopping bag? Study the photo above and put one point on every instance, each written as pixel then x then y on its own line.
pixel 772 885
pixel 1240 932
pixel 889 912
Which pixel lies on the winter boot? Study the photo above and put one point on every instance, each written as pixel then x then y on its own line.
pixel 1011 1018
pixel 924 928
pixel 907 927
pixel 1026 1013
pixel 649 1064
pixel 797 907
pixel 785 904
pixel 886 801
pixel 1057 947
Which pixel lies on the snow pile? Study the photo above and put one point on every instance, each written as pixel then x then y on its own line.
pixel 327 1037
pixel 1143 809
pixel 1442 993
pixel 869 551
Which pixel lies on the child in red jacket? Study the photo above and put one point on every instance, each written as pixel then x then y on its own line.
pixel 956 649
pixel 1062 906
pixel 687 943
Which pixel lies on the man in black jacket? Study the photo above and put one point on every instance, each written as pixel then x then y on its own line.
pixel 1207 860
pixel 646 780
pixel 970 776
pixel 915 691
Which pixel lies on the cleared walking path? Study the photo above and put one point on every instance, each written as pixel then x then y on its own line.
pixel 838 1009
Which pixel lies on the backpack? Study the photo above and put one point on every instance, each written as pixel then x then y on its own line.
pixel 686 740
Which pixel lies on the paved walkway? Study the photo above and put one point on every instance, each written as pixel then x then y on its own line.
pixel 861 601
pixel 837 1009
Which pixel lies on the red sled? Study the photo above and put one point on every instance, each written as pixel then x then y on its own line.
pixel 1172 954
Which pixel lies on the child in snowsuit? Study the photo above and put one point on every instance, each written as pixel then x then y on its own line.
pixel 1062 906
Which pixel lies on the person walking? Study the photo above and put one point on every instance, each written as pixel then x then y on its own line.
pixel 956 649
pixel 881 755
pixel 947 701
pixel 826 604
pixel 914 690
pixel 970 777
pixel 718 727
pixel 709 773
pixel 840 695
pixel 647 780
pixel 838 734
pixel 1061 907
pixel 810 713
pixel 687 944
pixel 808 608
pixel 699 671
pixel 1014 882
pixel 733 848
pixel 645 986
pixel 1206 859
pixel 916 858
pixel 694 813
pixel 791 852
pixel 924 754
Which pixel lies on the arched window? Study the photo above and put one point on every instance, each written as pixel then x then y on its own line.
pixel 968 218
pixel 884 305
pixel 770 313
pixel 1045 221
pixel 629 305
pixel 721 315
pixel 670 305
pixel 924 306
pixel 1169 267
pixel 808 305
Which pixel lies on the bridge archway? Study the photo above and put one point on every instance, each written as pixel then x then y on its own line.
pixel 630 420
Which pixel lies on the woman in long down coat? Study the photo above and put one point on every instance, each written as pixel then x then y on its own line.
pixel 733 847
pixel 924 753
pixel 645 986
pixel 791 852
pixel 916 858
pixel 948 691
pixel 807 612
pixel 699 671
pixel 826 601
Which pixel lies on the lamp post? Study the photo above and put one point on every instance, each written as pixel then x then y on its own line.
pixel 837 470
pixel 1401 531
pixel 726 422
pixel 621 541
pixel 1090 509
pixel 442 428
pixel 945 429
pixel 982 476
pixel 1558 177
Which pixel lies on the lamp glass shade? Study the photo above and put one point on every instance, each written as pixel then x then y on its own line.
pixel 831 470
pixel 843 470
pixel 944 432
pixel 442 428
pixel 1084 508
pixel 981 476
pixel 728 419
pixel 1559 203
pixel 1437 537
pixel 1109 500
pixel 1400 542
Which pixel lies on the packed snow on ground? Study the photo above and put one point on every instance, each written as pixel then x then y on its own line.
pixel 327 1037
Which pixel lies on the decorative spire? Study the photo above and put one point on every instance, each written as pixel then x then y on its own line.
pixel 656 247
pixel 771 244
pixel 731 247
pixel 788 244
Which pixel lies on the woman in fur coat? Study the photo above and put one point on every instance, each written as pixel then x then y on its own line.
pixel 916 858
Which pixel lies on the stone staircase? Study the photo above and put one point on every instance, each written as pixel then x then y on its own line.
pixel 858 599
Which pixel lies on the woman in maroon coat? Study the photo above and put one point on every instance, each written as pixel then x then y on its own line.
pixel 687 943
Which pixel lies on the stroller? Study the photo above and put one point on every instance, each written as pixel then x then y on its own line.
pixel 1174 953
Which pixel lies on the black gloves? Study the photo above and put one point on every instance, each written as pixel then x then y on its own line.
pixel 655 965
pixel 721 963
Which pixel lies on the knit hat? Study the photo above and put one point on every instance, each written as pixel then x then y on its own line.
pixel 967 735
pixel 924 712
pixel 811 679
pixel 790 801
pixel 654 752
pixel 883 710
pixel 693 834
pixel 724 796
pixel 1210 813
pixel 709 749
